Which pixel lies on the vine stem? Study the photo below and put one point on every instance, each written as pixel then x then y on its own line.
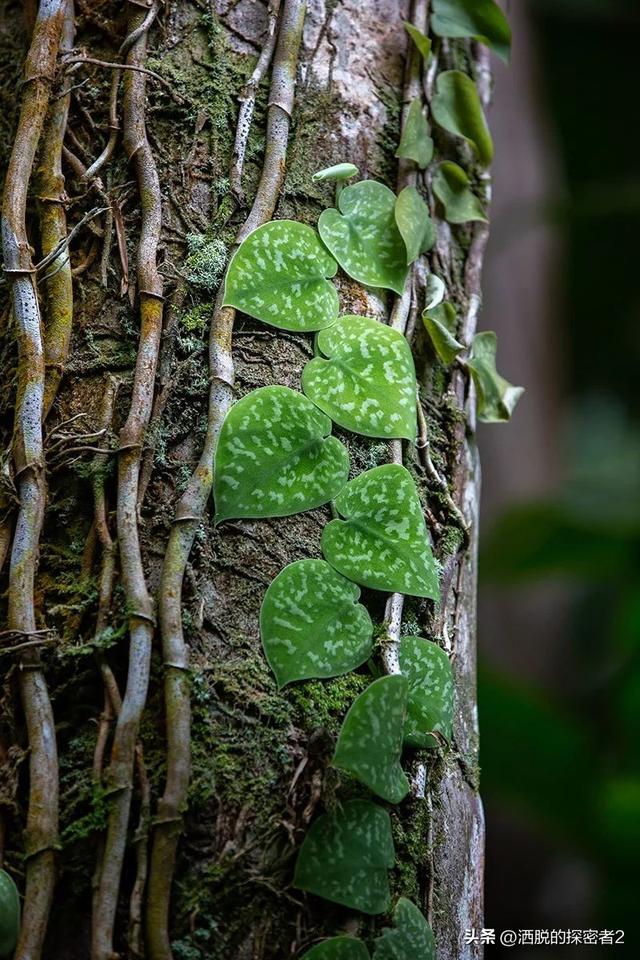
pixel 139 603
pixel 41 838
pixel 191 506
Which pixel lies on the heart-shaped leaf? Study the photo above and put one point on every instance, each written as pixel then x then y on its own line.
pixel 275 457
pixel 363 236
pixel 312 625
pixel 411 937
pixel 345 857
pixel 366 381
pixel 415 142
pixel 497 397
pixel 414 223
pixel 482 19
pixel 370 741
pixel 340 171
pixel 430 706
pixel 452 188
pixel 422 42
pixel 278 275
pixel 440 323
pixel 456 107
pixel 338 948
pixel 9 914
pixel 382 543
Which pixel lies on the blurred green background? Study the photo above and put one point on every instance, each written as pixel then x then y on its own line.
pixel 560 559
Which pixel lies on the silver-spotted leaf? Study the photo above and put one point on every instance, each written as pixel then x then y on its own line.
pixel 364 378
pixel 338 948
pixel 415 142
pixel 497 397
pixel 382 543
pixel 370 741
pixel 345 857
pixel 312 625
pixel 339 171
pixel 422 42
pixel 456 107
pixel 363 237
pixel 279 275
pixel 414 223
pixel 410 938
pixel 482 19
pixel 275 457
pixel 440 324
pixel 429 674
pixel 452 188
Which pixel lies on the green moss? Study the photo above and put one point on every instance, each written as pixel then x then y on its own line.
pixel 206 261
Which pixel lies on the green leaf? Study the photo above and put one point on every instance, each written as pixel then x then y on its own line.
pixel 415 142
pixel 382 543
pixel 440 322
pixel 345 857
pixel 422 42
pixel 434 292
pixel 456 107
pixel 338 948
pixel 430 705
pixel 370 741
pixel 497 397
pixel 414 223
pixel 410 939
pixel 312 625
pixel 452 188
pixel 9 914
pixel 363 236
pixel 275 457
pixel 481 19
pixel 278 275
pixel 340 171
pixel 366 380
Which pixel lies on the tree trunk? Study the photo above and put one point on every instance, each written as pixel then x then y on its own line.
pixel 131 413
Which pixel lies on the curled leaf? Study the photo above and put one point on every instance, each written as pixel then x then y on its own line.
pixel 345 857
pixel 415 142
pixel 422 42
pixel 279 275
pixel 370 741
pixel 338 948
pixel 456 107
pixel 275 457
pixel 497 397
pixel 481 19
pixel 312 625
pixel 434 291
pixel 340 171
pixel 452 188
pixel 428 671
pixel 364 378
pixel 440 324
pixel 410 938
pixel 382 543
pixel 414 223
pixel 363 237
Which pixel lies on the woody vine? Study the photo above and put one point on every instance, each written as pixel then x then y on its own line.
pixel 270 454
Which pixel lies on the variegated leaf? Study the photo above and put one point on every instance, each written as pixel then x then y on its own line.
pixel 279 275
pixel 312 625
pixel 382 543
pixel 366 380
pixel 429 674
pixel 338 948
pixel 345 857
pixel 410 938
pixel 363 237
pixel 370 741
pixel 275 457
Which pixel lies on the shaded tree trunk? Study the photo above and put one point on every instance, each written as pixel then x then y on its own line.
pixel 259 759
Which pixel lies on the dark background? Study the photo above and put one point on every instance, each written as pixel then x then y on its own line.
pixel 560 563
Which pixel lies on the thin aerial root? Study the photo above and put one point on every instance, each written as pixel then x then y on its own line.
pixel 190 509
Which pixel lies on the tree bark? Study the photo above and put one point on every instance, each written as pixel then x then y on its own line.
pixel 260 767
